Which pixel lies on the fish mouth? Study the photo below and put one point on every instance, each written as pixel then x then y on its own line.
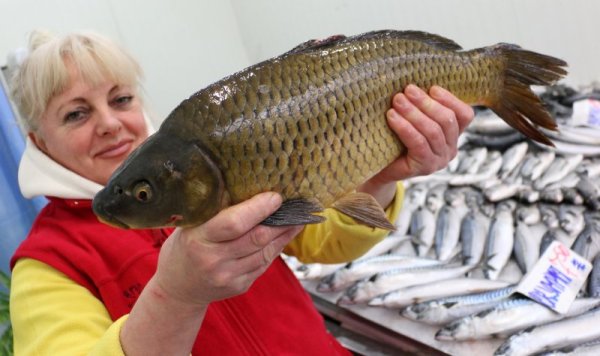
pixel 112 221
pixel 106 218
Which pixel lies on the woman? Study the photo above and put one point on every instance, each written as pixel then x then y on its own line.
pixel 80 286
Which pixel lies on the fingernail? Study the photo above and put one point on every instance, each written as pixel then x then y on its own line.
pixel 275 198
pixel 393 115
pixel 413 91
pixel 437 91
pixel 401 102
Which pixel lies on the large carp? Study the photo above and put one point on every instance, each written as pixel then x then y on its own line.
pixel 310 124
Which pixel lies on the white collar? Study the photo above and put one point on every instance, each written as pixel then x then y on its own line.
pixel 41 175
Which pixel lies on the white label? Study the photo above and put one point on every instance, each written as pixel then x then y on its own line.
pixel 556 278
pixel 586 113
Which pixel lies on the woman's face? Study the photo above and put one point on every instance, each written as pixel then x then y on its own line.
pixel 91 130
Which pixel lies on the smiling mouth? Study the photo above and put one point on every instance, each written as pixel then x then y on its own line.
pixel 115 151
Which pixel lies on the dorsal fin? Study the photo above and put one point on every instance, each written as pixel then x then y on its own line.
pixel 317 44
pixel 429 38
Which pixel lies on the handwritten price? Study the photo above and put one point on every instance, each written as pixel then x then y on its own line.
pixel 560 255
pixel 556 278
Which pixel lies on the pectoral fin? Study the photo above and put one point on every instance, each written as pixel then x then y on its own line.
pixel 295 212
pixel 364 209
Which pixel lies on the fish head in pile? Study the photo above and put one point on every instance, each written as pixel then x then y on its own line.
pixel 571 218
pixel 549 216
pixel 164 182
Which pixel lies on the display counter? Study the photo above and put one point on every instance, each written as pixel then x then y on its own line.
pixel 388 327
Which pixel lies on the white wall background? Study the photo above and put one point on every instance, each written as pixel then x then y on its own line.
pixel 185 45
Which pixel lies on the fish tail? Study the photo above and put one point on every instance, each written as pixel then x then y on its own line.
pixel 516 102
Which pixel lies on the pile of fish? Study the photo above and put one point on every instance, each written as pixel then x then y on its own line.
pixel 466 236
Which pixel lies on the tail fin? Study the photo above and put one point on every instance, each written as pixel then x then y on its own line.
pixel 517 104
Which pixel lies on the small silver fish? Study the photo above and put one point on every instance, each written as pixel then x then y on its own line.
pixel 572 222
pixel 440 289
pixel 365 267
pixel 551 195
pixel 589 168
pixel 315 270
pixel 472 160
pixel 528 214
pixel 503 190
pixel 444 310
pixel 488 169
pixel 512 157
pixel 549 216
pixel 568 181
pixel 422 230
pixel 414 197
pixel 500 239
pixel 593 287
pixel 561 333
pixel 527 244
pixel 487 122
pixel 447 229
pixel 385 282
pixel 560 168
pixel 473 236
pixel 590 192
pixel 572 196
pixel 507 317
pixel 545 159
pixel 549 236
pixel 591 348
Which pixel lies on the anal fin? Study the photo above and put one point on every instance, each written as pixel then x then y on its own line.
pixel 364 209
pixel 295 212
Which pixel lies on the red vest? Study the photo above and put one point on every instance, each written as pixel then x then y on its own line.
pixel 276 316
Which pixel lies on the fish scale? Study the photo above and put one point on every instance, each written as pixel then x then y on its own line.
pixel 310 124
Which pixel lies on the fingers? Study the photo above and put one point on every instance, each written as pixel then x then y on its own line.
pixel 416 144
pixel 258 238
pixel 261 258
pixel 238 219
pixel 464 112
pixel 431 119
pixel 429 126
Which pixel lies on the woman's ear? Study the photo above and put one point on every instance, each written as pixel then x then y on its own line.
pixel 38 141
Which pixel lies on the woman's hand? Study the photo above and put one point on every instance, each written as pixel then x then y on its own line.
pixel 428 125
pixel 196 266
pixel 222 257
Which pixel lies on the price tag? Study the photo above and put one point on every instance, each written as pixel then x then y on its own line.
pixel 556 278
pixel 586 113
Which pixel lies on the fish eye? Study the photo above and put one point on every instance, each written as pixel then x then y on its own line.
pixel 142 192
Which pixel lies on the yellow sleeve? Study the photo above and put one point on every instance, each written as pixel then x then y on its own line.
pixel 53 315
pixel 340 238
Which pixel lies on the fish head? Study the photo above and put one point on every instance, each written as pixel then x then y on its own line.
pixel 449 331
pixel 435 198
pixel 571 218
pixel 417 193
pixel 549 216
pixel 164 182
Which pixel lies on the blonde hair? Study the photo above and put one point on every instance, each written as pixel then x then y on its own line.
pixel 43 74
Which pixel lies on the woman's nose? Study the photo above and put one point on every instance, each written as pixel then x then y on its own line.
pixel 108 122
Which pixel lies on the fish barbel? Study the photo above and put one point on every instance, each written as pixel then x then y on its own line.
pixel 310 124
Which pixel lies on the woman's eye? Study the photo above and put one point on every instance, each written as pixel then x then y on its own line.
pixel 123 100
pixel 74 116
